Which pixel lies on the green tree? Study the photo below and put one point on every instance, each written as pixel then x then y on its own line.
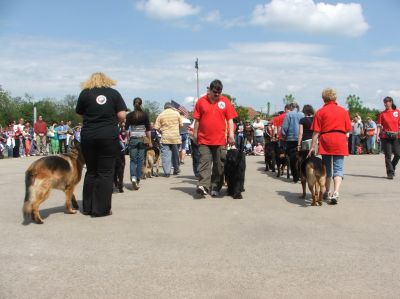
pixel 152 108
pixel 355 105
pixel 242 112
pixel 288 99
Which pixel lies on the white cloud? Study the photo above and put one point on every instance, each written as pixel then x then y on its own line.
pixel 167 9
pixel 215 17
pixel 265 85
pixel 309 16
pixel 33 66
pixel 395 94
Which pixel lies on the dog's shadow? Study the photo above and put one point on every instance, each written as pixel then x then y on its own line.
pixel 294 198
pixel 45 213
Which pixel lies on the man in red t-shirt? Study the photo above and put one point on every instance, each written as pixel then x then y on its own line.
pixel 214 114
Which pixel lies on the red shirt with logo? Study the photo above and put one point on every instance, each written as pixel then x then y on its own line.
pixel 389 121
pixel 212 119
pixel 332 122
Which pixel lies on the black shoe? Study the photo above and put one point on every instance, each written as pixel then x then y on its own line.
pixel 390 176
pixel 202 190
pixel 176 172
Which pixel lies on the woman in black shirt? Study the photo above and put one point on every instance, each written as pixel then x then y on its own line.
pixel 305 133
pixel 101 107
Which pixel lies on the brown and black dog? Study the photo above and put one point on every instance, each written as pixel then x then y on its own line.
pixel 151 160
pixel 61 172
pixel 313 173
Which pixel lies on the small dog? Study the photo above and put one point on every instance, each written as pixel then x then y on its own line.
pixel 119 171
pixel 61 172
pixel 234 170
pixel 282 162
pixel 313 172
pixel 152 159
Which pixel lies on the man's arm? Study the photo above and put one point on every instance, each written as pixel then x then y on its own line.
pixel 231 135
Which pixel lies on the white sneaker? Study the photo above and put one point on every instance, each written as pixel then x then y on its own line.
pixel 201 190
pixel 334 198
pixel 135 185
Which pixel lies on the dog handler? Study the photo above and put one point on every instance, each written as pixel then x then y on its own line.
pixel 213 113
pixel 102 107
pixel 331 125
pixel 138 125
pixel 388 132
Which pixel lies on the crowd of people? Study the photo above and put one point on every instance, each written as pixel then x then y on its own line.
pixel 107 130
pixel 23 140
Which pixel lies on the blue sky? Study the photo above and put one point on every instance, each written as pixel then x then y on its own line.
pixel 261 50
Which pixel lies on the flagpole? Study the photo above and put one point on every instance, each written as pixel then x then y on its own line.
pixel 197 74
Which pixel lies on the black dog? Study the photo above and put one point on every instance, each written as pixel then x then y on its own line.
pixel 234 170
pixel 282 162
pixel 119 171
pixel 270 155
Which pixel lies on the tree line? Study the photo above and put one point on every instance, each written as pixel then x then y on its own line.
pixel 53 110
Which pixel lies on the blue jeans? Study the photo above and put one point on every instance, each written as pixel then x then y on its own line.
pixel 355 141
pixel 136 153
pixel 371 143
pixel 169 157
pixel 337 161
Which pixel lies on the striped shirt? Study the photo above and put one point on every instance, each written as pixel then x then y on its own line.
pixel 168 122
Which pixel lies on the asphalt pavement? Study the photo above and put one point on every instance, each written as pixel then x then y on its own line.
pixel 162 241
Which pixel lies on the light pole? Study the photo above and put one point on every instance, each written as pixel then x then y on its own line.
pixel 196 65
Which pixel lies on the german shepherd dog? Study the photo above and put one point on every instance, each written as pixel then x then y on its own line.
pixel 152 159
pixel 61 172
pixel 234 170
pixel 282 161
pixel 313 172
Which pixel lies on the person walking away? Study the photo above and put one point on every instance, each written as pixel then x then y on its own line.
pixel 183 131
pixel 331 125
pixel 305 133
pixel 388 133
pixel 40 128
pixel 168 123
pixel 138 126
pixel 371 130
pixel 290 132
pixel 214 115
pixel 102 108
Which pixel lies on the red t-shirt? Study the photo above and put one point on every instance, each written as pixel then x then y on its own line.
pixel 212 119
pixel 390 121
pixel 278 122
pixel 332 122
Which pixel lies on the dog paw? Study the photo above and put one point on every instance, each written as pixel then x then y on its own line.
pixel 238 196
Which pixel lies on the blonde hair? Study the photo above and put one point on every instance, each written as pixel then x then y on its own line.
pixel 98 80
pixel 328 95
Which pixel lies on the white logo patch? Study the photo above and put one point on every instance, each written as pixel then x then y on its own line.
pixel 221 105
pixel 396 114
pixel 101 100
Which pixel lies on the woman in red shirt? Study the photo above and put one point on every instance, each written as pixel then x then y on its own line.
pixel 331 125
pixel 388 131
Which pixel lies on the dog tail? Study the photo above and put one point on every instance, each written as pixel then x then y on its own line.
pixel 27 209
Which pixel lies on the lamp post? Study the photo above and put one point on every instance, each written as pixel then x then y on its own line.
pixel 196 65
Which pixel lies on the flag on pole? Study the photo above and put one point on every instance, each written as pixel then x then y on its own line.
pixel 180 108
pixel 196 64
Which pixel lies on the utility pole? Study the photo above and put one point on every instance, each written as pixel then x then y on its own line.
pixel 196 65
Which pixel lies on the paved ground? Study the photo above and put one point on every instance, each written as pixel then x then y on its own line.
pixel 163 242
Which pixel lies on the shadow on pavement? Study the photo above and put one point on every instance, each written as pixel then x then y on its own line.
pixel 294 198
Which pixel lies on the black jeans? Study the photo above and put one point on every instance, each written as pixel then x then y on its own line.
pixel 100 155
pixel 291 149
pixel 391 147
pixel 195 157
